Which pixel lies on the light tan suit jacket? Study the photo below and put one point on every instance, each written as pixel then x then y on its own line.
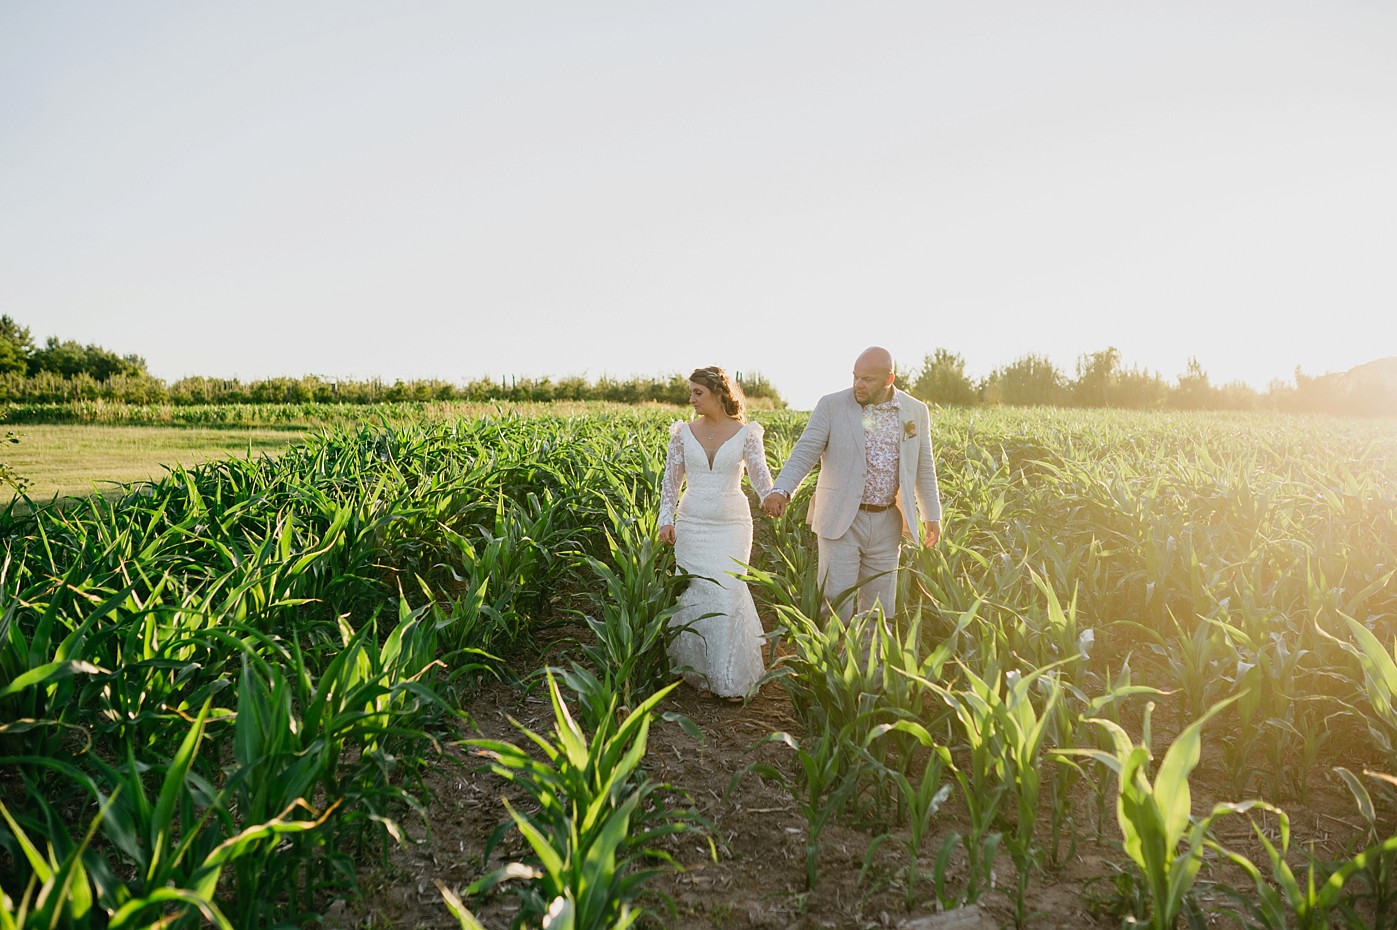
pixel 834 438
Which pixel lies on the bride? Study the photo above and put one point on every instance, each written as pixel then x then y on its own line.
pixel 711 532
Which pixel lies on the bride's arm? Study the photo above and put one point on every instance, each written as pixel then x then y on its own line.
pixel 754 451
pixel 673 476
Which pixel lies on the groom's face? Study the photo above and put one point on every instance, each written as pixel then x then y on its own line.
pixel 872 383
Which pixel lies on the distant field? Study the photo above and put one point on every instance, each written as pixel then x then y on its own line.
pixel 77 448
pixel 300 416
pixel 78 460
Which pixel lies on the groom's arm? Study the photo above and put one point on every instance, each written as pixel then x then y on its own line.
pixel 807 451
pixel 928 490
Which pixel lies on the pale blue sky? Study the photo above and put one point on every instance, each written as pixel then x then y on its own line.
pixel 457 189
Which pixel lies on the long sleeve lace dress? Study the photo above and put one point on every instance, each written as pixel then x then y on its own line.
pixel 713 537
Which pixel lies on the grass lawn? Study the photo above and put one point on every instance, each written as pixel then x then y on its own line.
pixel 76 460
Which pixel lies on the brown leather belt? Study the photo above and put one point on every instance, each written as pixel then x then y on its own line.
pixel 874 508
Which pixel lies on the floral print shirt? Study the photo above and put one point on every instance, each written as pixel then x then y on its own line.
pixel 882 433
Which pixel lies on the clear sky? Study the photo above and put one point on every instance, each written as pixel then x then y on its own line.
pixel 414 189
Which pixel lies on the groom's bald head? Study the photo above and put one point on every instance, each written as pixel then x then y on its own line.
pixel 876 357
pixel 873 375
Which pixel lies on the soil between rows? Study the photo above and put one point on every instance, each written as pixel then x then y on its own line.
pixel 758 878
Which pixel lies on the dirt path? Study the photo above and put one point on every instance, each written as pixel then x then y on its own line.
pixel 758 878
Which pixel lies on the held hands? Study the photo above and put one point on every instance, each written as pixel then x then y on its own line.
pixel 774 504
pixel 667 534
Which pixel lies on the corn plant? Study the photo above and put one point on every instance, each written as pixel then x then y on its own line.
pixel 1282 706
pixel 509 568
pixel 834 677
pixel 366 717
pixel 348 737
pixel 175 845
pixel 1063 721
pixel 1004 735
pixel 1026 729
pixel 946 576
pixel 1376 865
pixel 59 891
pixel 897 683
pixel 278 763
pixel 1046 633
pixel 1283 900
pixel 631 620
pixel 40 673
pixel 1379 681
pixel 471 644
pixel 598 821
pixel 861 674
pixel 596 697
pixel 791 579
pixel 1159 833
pixel 826 780
pixel 920 797
pixel 1194 659
pixel 982 779
pixel 859 671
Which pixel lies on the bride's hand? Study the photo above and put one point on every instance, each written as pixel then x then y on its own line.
pixel 667 534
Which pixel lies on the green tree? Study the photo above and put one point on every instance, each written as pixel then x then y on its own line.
pixel 70 359
pixel 1030 380
pixel 16 345
pixel 942 380
pixel 1193 392
pixel 1238 395
pixel 1097 375
pixel 1139 389
pixel 755 386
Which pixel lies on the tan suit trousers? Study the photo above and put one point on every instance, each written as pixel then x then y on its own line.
pixel 869 548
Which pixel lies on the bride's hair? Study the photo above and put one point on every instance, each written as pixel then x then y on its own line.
pixel 729 391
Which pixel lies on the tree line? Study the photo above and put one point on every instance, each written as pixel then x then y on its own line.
pixel 65 371
pixel 1101 379
pixel 61 372
pixel 67 359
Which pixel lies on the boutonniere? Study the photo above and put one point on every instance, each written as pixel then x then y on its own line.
pixel 909 430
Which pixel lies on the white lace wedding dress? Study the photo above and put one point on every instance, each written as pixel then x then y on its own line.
pixel 713 536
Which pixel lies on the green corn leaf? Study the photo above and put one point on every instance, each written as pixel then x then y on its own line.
pixel 136 913
pixel 463 915
pixel 48 674
pixel 552 861
pixel 163 814
pixel 1171 784
pixel 1360 796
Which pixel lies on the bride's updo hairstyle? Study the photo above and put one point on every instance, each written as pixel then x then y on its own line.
pixel 728 391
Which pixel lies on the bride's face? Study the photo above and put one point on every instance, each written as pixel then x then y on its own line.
pixel 704 401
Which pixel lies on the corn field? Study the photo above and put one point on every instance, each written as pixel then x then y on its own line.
pixel 221 693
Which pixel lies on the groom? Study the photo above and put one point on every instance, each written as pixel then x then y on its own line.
pixel 877 481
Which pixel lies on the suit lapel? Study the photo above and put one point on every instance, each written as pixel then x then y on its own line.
pixel 855 413
pixel 906 463
pixel 904 410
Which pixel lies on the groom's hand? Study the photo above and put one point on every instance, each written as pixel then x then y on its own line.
pixel 775 504
pixel 931 532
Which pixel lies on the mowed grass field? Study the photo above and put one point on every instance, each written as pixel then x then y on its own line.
pixel 77 460
pixel 80 448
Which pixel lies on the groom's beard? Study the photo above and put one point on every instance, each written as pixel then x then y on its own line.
pixel 870 399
